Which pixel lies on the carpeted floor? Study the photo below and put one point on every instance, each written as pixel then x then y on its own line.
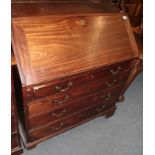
pixel 118 135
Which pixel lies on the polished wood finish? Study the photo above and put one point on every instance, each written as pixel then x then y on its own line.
pixel 38 117
pixel 63 38
pixel 63 85
pixel 25 8
pixel 35 108
pixel 86 88
pixel 67 123
pixel 74 62
pixel 16 148
pixel 107 113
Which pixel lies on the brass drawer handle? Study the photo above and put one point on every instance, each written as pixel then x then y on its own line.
pixel 60 102
pixel 58 127
pixel 110 84
pixel 59 115
pixel 114 72
pixel 100 108
pixel 65 89
pixel 106 97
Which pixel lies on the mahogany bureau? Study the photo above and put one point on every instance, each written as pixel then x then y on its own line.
pixel 75 60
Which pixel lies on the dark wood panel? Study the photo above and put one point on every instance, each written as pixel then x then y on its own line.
pixel 48 89
pixel 59 1
pixel 60 99
pixel 16 148
pixel 102 83
pixel 45 8
pixel 56 115
pixel 72 82
pixel 104 97
pixel 74 119
pixel 14 141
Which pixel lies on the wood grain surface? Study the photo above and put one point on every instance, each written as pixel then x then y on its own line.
pixel 24 8
pixel 67 123
pixel 58 1
pixel 39 116
pixel 52 47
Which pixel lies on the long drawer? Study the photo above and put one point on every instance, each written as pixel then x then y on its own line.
pixel 55 101
pixel 69 122
pixel 63 85
pixel 105 97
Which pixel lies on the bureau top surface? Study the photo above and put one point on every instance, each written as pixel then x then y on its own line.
pixel 24 8
pixel 48 47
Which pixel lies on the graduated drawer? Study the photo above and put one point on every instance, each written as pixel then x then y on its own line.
pixel 104 97
pixel 55 101
pixel 65 84
pixel 70 122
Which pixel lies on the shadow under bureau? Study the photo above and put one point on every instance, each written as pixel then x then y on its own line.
pixel 72 65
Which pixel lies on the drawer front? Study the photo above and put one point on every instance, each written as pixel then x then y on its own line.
pixel 13 123
pixel 55 101
pixel 74 81
pixel 67 123
pixel 104 97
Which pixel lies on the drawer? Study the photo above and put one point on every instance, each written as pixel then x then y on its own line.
pixel 55 101
pixel 67 123
pixel 62 85
pixel 112 71
pixel 104 97
pixel 13 123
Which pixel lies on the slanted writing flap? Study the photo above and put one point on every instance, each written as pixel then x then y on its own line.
pixel 50 47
